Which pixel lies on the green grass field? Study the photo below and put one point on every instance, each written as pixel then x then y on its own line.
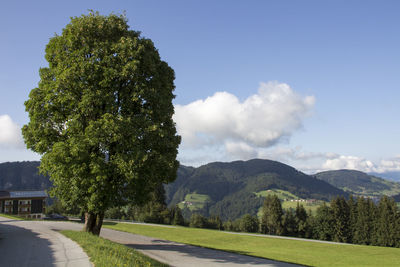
pixel 104 253
pixel 294 251
pixel 281 194
pixel 197 201
pixel 286 198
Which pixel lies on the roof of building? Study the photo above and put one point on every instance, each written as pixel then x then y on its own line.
pixel 22 194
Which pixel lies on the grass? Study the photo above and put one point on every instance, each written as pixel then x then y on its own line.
pixel 104 253
pixel 294 251
pixel 13 217
pixel 281 194
pixel 198 201
pixel 308 206
pixel 286 198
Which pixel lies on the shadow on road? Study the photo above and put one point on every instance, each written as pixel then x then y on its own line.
pixel 20 247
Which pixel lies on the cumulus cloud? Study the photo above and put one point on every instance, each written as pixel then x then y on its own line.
pixel 243 127
pixel 362 164
pixel 10 133
pixel 349 162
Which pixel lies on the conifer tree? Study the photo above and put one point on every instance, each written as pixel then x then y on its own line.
pixel 323 223
pixel 271 221
pixel 363 228
pixel 289 223
pixel 387 223
pixel 301 220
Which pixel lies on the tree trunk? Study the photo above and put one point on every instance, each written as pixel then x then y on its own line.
pixel 93 222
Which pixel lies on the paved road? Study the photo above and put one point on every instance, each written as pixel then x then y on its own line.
pixel 34 244
pixel 174 254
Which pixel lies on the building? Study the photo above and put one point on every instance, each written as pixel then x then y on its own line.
pixel 29 204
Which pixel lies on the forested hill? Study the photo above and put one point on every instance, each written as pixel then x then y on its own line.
pixel 231 188
pixel 22 176
pixel 360 183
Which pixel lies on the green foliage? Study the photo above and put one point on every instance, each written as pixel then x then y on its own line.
pixel 271 220
pixel 387 223
pixel 360 183
pixel 232 187
pixel 57 207
pixel 281 194
pixel 323 223
pixel 341 219
pixel 177 218
pixel 104 253
pixel 248 224
pixel 301 217
pixel 195 202
pixel 364 223
pixel 198 221
pixel 101 116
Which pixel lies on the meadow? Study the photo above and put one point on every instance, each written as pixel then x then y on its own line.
pixel 304 252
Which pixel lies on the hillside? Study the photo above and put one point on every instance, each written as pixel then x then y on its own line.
pixel 359 183
pixel 22 176
pixel 229 190
pixel 231 187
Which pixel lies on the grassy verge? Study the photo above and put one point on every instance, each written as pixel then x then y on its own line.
pixel 104 253
pixel 294 251
pixel 12 217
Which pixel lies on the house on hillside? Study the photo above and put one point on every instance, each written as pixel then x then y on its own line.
pixel 30 204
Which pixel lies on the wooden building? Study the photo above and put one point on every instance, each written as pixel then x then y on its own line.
pixel 29 204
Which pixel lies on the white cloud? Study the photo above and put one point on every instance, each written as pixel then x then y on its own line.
pixel 349 162
pixel 243 128
pixel 10 133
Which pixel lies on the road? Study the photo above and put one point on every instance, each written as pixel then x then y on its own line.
pixel 35 244
pixel 44 235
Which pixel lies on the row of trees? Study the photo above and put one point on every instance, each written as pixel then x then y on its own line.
pixel 358 221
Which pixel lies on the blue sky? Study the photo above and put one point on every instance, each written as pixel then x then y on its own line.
pixel 333 67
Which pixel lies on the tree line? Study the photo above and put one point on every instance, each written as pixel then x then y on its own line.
pixel 355 220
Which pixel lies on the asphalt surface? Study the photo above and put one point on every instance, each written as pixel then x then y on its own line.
pixel 46 247
pixel 35 244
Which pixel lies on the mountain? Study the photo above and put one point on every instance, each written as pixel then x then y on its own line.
pixel 389 175
pixel 22 176
pixel 359 183
pixel 229 190
pixel 231 187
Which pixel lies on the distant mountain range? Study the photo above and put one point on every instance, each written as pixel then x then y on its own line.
pixel 232 189
pixel 360 183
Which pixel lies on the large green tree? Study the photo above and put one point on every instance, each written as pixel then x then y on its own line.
pixel 101 116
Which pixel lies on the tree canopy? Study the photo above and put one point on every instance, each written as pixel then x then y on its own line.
pixel 101 116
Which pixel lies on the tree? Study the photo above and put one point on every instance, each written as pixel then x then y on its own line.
pixel 101 117
pixel 271 220
pixel 323 223
pixel 248 224
pixel 301 220
pixel 341 217
pixel 198 221
pixel 178 217
pixel 387 223
pixel 289 223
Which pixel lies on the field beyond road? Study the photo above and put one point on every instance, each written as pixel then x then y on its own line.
pixel 302 252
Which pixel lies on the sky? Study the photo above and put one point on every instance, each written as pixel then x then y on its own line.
pixel 313 84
